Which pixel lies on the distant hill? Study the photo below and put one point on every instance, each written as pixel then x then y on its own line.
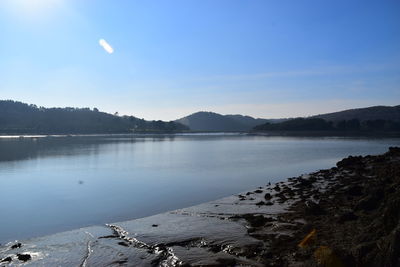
pixel 379 119
pixel 21 118
pixel 364 114
pixel 210 121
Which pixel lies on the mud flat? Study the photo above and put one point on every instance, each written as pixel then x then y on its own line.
pixel 344 216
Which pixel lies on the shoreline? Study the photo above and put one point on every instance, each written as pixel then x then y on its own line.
pixel 354 209
pixel 377 134
pixel 249 133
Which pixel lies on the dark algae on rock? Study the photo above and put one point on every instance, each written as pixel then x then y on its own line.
pixel 348 215
pixel 357 217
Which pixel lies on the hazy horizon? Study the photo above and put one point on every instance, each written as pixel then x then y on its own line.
pixel 212 111
pixel 166 60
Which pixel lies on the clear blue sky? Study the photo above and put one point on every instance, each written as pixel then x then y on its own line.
pixel 262 58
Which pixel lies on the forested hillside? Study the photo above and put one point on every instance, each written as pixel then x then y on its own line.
pixel 21 118
pixel 210 121
pixel 316 124
pixel 364 114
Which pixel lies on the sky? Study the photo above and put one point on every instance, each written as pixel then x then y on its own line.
pixel 167 59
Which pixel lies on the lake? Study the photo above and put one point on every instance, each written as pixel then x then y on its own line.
pixel 52 184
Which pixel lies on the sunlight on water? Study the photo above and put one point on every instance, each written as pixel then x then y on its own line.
pixel 55 184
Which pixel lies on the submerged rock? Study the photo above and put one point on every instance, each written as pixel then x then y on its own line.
pixel 256 220
pixel 24 257
pixel 17 245
pixel 6 259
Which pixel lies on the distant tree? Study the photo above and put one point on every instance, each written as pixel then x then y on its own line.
pixel 299 124
pixel 20 118
pixel 353 125
pixel 313 124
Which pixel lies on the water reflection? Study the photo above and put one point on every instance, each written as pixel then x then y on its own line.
pixel 12 148
pixel 51 184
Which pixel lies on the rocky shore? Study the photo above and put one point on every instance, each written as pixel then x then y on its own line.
pixel 348 215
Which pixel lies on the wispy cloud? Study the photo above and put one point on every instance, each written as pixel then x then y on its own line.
pixel 316 71
pixel 109 49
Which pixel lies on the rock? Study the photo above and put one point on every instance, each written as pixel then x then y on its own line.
pixel 370 202
pixel 290 192
pixel 313 208
pixel 347 216
pixel 393 251
pixel 7 259
pixel 268 196
pixel 312 179
pixel 282 197
pixel 24 257
pixel 355 190
pixel 362 250
pixel 391 215
pixel 17 245
pixel 394 150
pixel 349 162
pixel 258 191
pixel 366 204
pixel 256 220
pixel 304 182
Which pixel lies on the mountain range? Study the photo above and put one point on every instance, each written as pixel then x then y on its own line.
pixel 21 118
pixel 214 122
pixel 210 121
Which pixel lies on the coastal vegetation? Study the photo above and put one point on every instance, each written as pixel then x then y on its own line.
pixel 364 114
pixel 214 122
pixel 357 121
pixel 317 124
pixel 21 118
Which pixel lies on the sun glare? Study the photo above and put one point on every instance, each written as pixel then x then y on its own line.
pixel 33 9
pixel 107 47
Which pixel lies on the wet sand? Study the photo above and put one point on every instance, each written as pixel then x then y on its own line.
pixel 344 216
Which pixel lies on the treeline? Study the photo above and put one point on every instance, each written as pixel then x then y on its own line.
pixel 21 118
pixel 315 124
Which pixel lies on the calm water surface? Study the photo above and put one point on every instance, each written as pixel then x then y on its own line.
pixel 54 184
